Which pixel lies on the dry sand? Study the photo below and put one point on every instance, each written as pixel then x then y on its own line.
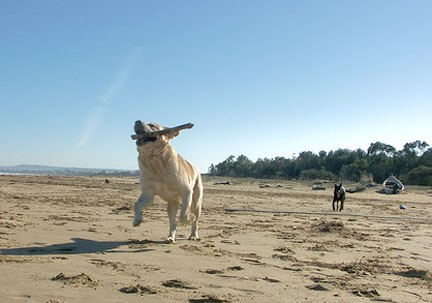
pixel 70 239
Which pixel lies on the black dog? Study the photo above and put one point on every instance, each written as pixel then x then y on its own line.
pixel 339 195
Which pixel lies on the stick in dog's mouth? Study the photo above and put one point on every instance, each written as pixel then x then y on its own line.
pixel 143 131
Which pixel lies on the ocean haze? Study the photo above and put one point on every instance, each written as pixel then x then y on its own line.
pixel 57 170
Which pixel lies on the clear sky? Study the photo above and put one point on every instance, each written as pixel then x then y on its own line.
pixel 259 78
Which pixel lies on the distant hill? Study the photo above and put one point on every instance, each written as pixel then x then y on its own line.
pixel 63 171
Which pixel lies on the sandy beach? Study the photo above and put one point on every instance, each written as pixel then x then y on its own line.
pixel 70 239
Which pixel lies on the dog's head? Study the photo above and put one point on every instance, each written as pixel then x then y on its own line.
pixel 338 187
pixel 152 144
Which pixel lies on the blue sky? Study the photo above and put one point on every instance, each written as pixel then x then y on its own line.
pixel 259 78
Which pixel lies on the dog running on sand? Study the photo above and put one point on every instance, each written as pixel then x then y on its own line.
pixel 164 173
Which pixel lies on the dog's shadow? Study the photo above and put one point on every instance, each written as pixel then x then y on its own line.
pixel 78 246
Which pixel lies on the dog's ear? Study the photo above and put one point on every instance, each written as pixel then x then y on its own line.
pixel 154 126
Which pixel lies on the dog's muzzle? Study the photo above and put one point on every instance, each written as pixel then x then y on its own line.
pixel 141 128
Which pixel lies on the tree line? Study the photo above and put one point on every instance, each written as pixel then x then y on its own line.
pixel 412 165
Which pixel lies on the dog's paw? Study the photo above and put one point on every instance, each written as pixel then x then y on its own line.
pixel 170 240
pixel 137 221
pixel 194 238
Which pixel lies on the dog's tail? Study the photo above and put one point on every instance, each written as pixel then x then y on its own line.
pixel 197 197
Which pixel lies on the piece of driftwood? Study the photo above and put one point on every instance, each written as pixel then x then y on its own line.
pixel 265 185
pixel 318 187
pixel 355 189
pixel 222 183
pixel 161 132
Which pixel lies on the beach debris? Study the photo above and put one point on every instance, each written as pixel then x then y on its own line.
pixel 318 186
pixel 129 289
pixel 355 189
pixel 235 268
pixel 368 293
pixel 317 287
pixel 138 289
pixel 208 299
pixel 264 185
pixel 81 279
pixel 392 185
pixel 222 183
pixel 272 280
pixel 178 283
pixel 213 271
pixel 267 185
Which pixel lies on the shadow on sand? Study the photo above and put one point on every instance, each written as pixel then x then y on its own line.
pixel 78 246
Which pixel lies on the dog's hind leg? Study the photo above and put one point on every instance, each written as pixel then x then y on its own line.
pixel 172 213
pixel 343 196
pixel 185 207
pixel 196 209
pixel 341 204
pixel 194 231
pixel 143 201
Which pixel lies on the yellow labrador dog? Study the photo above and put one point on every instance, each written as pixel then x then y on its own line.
pixel 166 174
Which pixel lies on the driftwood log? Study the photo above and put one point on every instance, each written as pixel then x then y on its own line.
pixel 167 130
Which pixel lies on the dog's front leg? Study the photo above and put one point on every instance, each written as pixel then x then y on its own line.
pixel 144 200
pixel 172 214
